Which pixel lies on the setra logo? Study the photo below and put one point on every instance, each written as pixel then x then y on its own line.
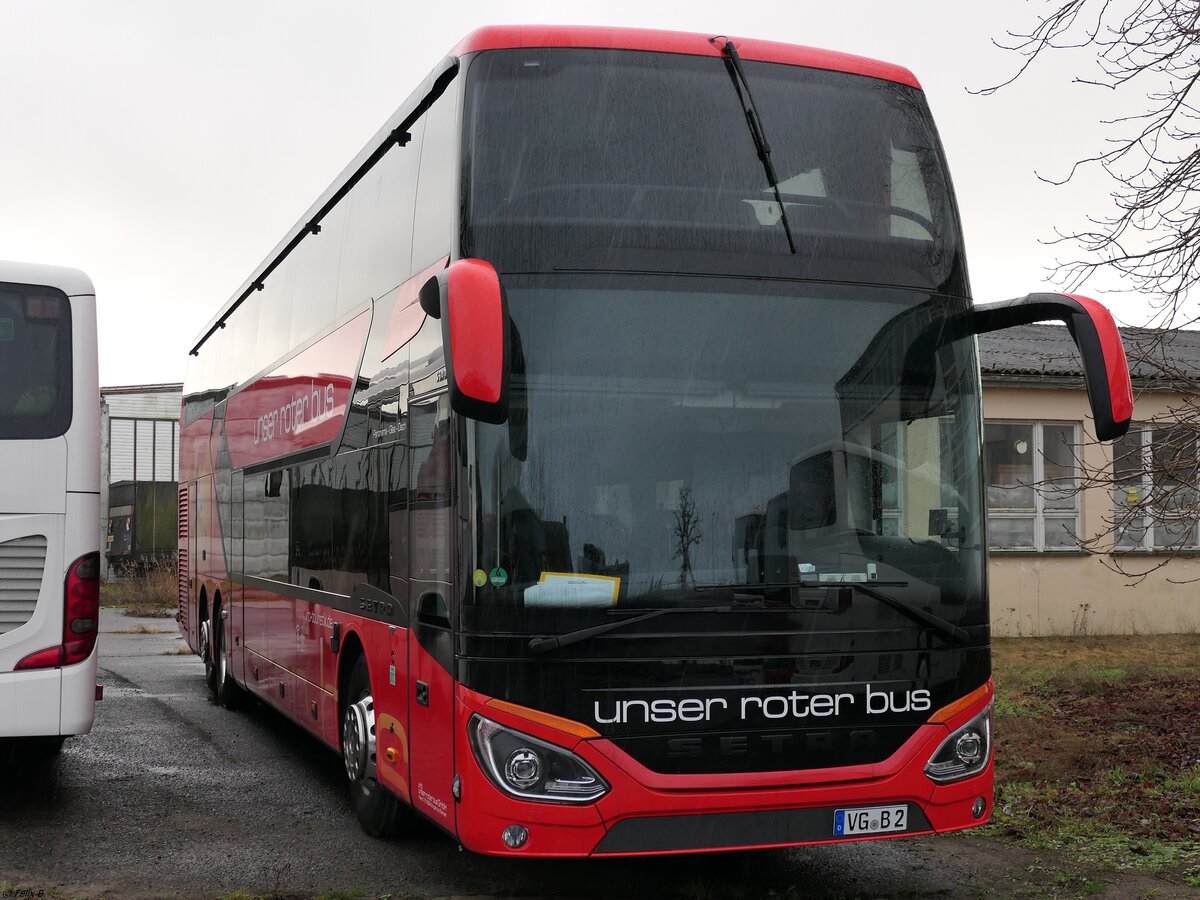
pixel 376 605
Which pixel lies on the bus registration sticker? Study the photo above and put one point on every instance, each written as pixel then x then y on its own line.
pixel 869 820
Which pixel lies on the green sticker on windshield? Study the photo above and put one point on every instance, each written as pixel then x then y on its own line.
pixel 498 577
pixel 6 329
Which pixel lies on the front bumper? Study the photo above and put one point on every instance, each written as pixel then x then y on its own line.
pixel 642 814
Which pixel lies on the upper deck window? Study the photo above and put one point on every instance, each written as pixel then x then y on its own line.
pixel 594 159
pixel 35 362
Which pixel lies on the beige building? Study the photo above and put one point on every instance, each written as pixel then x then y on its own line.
pixel 1054 497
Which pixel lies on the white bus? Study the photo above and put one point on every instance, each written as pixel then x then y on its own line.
pixel 49 504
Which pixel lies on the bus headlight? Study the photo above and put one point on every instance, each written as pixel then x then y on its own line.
pixel 965 752
pixel 524 767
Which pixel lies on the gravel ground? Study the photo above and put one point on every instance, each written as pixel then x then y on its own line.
pixel 172 796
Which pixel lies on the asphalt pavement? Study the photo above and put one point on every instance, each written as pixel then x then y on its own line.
pixel 173 795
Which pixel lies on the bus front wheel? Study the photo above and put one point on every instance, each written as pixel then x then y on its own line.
pixel 378 810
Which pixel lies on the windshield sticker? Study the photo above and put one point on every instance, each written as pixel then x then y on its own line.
pixel 6 329
pixel 809 574
pixel 479 578
pixel 498 577
pixel 568 589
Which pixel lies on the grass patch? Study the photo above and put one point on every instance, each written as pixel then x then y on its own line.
pixel 182 650
pixel 150 592
pixel 1096 756
pixel 143 629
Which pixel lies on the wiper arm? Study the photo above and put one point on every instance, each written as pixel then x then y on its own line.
pixel 937 623
pixel 545 645
pixel 733 63
pixel 947 629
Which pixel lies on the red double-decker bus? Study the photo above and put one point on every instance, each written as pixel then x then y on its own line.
pixel 597 464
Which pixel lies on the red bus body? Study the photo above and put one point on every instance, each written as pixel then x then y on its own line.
pixel 345 429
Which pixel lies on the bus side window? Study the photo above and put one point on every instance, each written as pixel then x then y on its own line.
pixel 433 225
pixel 398 507
pixel 429 490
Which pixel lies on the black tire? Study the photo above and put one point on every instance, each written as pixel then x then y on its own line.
pixel 380 812
pixel 46 747
pixel 207 637
pixel 27 762
pixel 226 691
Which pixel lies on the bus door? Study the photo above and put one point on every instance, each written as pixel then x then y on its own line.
pixel 431 645
pixel 392 686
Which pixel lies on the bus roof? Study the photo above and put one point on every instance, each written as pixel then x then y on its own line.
pixel 71 282
pixel 515 36
pixel 497 37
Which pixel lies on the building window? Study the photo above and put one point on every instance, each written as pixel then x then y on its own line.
pixel 143 450
pixel 1032 485
pixel 1154 493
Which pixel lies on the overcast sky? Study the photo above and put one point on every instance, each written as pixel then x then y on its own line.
pixel 164 147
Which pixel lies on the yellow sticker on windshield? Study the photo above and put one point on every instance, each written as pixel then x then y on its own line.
pixel 572 589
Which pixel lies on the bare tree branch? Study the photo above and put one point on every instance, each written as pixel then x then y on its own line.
pixel 1150 236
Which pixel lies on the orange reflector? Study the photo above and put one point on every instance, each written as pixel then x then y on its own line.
pixel 950 710
pixel 542 718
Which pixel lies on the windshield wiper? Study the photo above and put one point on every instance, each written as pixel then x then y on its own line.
pixel 545 645
pixel 733 63
pixel 937 623
pixel 947 629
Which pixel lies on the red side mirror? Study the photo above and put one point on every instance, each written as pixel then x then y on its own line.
pixel 470 301
pixel 1105 368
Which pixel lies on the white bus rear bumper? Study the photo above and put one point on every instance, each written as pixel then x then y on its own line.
pixel 49 701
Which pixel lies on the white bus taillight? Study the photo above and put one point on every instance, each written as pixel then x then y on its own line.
pixel 82 614
pixel 81 618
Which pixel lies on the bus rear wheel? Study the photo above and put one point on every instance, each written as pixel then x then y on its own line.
pixel 222 688
pixel 206 654
pixel 379 811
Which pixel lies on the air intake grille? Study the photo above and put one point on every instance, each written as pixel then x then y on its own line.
pixel 182 563
pixel 22 562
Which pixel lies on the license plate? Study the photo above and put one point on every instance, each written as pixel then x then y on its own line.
pixel 870 820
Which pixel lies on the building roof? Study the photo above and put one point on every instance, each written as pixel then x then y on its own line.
pixel 173 387
pixel 1047 352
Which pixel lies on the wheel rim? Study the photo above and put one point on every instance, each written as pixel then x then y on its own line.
pixel 205 647
pixel 358 740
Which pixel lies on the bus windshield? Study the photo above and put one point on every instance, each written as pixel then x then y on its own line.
pixel 35 362
pixel 670 444
pixel 662 173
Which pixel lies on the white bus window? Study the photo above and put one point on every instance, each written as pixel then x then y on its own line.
pixel 35 363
